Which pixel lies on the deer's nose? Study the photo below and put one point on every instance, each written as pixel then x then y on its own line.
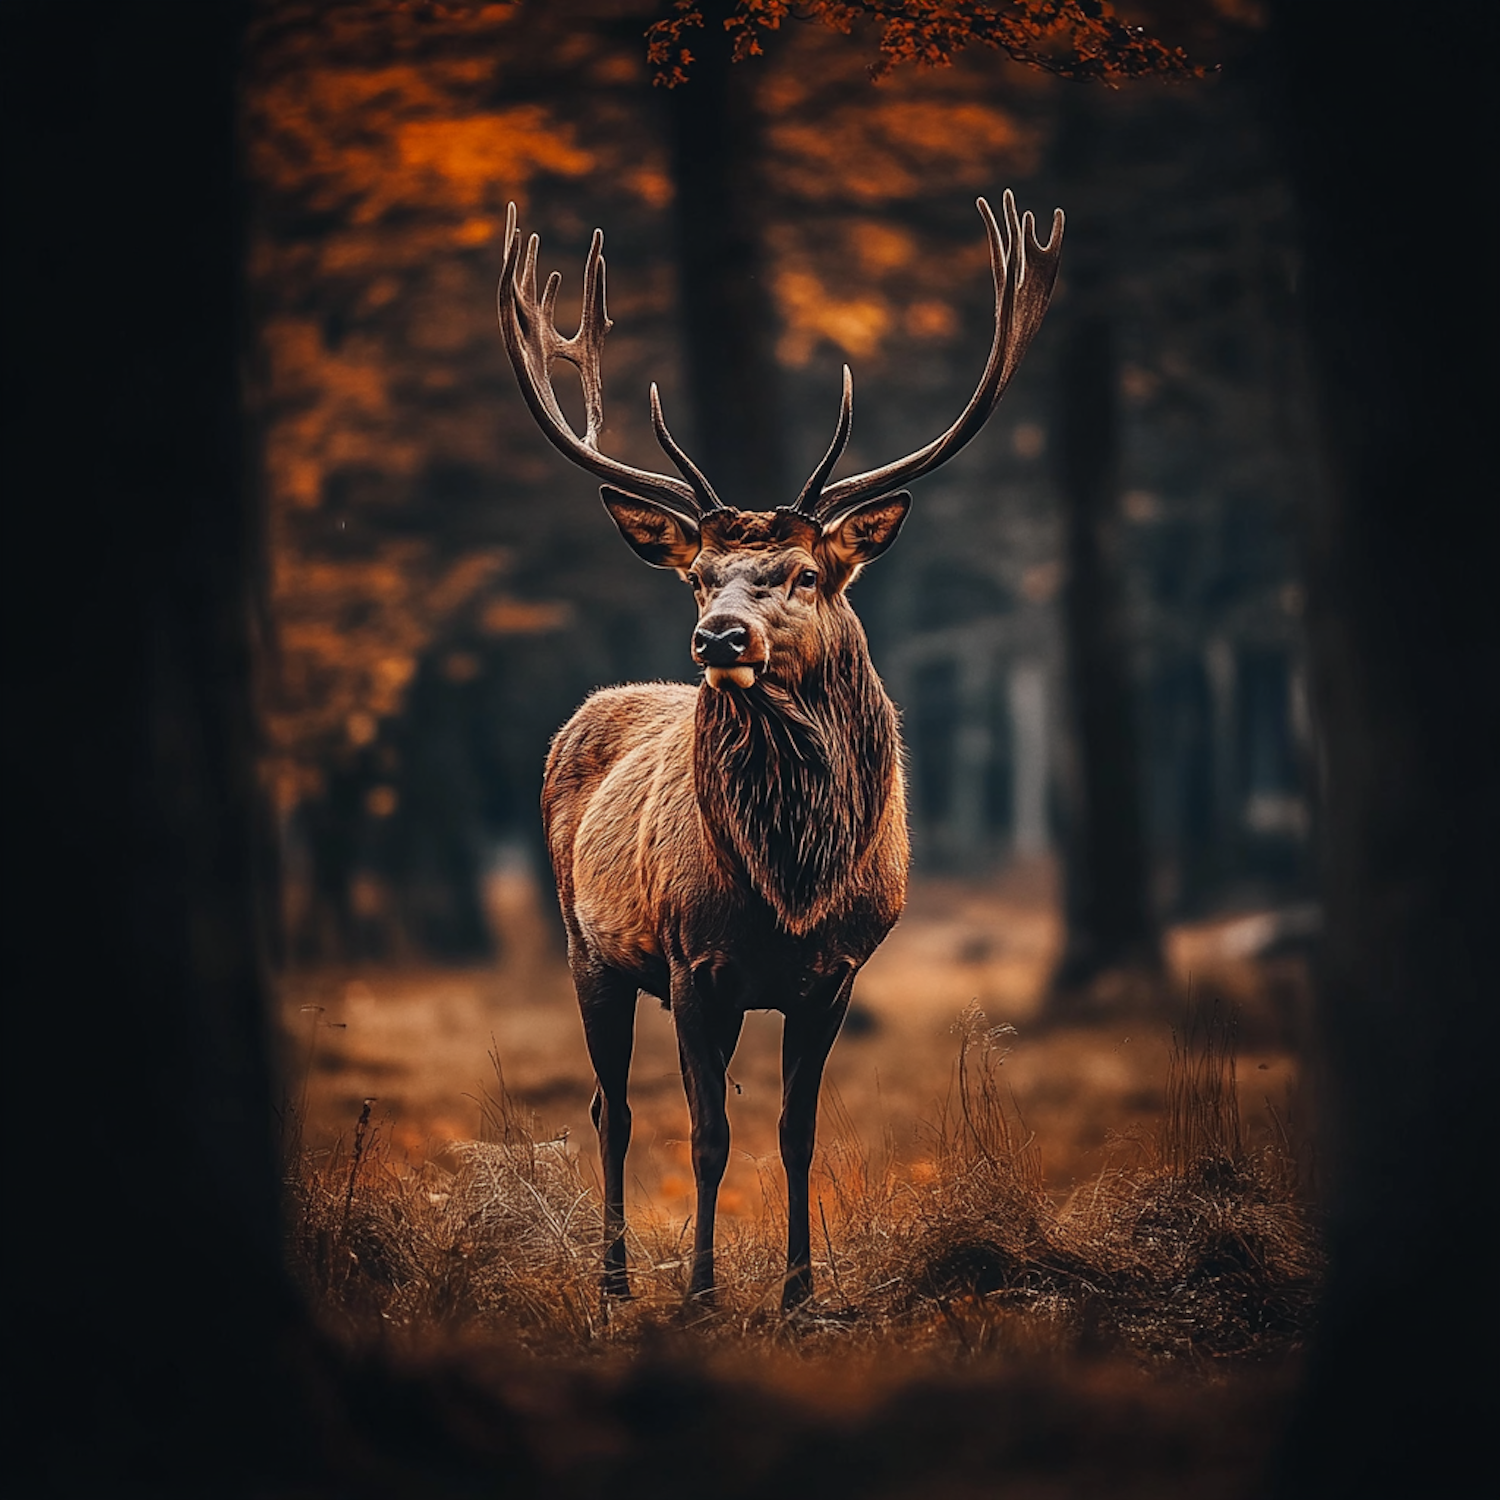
pixel 720 648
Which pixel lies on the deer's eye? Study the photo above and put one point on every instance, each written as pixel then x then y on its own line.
pixel 694 582
pixel 807 578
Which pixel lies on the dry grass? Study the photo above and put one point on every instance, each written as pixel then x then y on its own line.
pixel 1189 1251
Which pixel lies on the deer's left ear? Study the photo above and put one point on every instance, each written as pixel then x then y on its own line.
pixel 864 534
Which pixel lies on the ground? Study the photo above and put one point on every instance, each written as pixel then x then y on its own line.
pixel 1126 1319
pixel 419 1041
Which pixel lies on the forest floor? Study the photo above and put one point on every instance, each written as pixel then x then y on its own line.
pixel 1099 1224
pixel 419 1042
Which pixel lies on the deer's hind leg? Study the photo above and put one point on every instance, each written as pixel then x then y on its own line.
pixel 607 1000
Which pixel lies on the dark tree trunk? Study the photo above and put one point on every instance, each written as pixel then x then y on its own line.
pixel 155 1327
pixel 332 824
pixel 432 847
pixel 1110 925
pixel 727 313
pixel 1384 136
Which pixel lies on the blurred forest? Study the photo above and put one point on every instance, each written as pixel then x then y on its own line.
pixel 1098 659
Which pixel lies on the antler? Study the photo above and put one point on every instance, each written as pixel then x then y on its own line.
pixel 533 342
pixel 1024 272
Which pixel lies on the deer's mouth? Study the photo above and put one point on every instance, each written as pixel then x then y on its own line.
pixel 741 675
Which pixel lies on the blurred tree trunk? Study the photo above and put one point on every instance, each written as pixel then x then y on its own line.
pixel 1384 142
pixel 432 849
pixel 1110 926
pixel 157 1329
pixel 332 823
pixel 727 312
pixel 424 861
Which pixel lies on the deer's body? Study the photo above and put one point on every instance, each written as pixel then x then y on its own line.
pixel 646 865
pixel 740 845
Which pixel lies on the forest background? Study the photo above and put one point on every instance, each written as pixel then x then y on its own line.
pixel 1092 625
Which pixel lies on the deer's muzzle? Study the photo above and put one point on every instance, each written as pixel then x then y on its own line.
pixel 729 651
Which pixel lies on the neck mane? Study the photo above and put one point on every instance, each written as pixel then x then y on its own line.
pixel 793 781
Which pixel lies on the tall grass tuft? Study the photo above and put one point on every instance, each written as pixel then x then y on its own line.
pixel 1199 1251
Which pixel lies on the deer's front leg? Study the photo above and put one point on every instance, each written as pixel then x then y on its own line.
pixel 708 1029
pixel 805 1043
pixel 607 1000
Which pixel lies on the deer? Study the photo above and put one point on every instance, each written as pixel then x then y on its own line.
pixel 739 844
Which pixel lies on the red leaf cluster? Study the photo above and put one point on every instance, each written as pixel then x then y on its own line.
pixel 1078 39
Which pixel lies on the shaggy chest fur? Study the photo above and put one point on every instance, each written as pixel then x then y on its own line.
pixel 795 785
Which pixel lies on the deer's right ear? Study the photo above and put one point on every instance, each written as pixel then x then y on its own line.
pixel 656 535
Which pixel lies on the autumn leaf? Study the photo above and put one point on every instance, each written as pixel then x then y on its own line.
pixel 1078 39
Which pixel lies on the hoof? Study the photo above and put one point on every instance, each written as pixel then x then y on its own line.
pixel 796 1293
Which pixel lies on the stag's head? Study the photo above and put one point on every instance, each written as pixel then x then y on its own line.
pixel 769 585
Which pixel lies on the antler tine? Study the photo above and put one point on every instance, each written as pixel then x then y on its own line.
pixel 527 290
pixel 806 502
pixel 1024 272
pixel 533 343
pixel 548 309
pixel 1031 293
pixel 585 350
pixel 707 499
pixel 510 232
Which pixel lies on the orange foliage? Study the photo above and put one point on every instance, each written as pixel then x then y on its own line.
pixel 1083 39
pixel 383 145
pixel 349 635
pixel 855 264
pixel 884 148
